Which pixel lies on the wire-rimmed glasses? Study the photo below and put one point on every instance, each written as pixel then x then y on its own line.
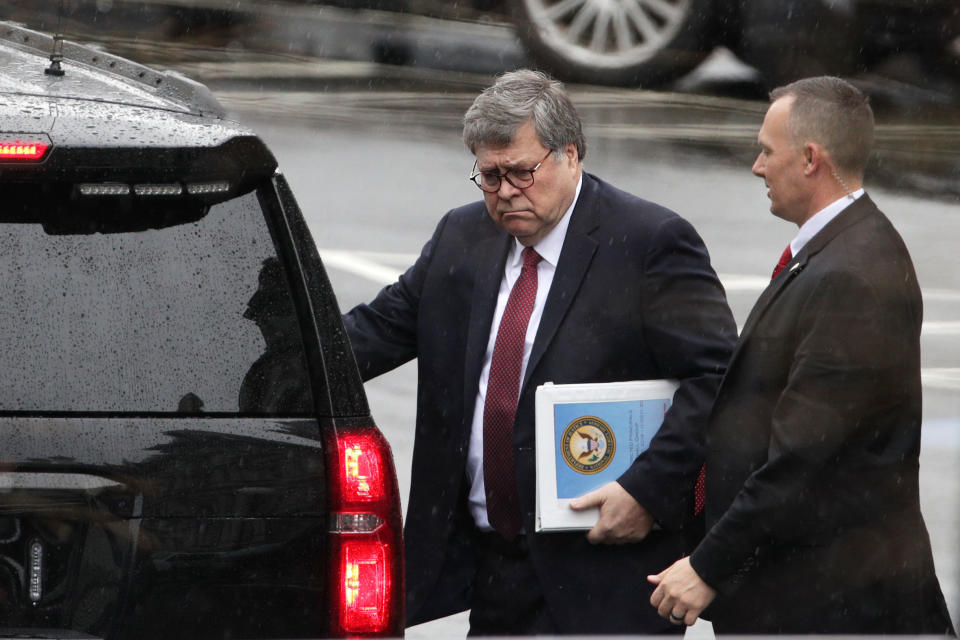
pixel 489 181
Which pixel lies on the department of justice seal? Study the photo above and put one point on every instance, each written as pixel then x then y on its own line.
pixel 588 445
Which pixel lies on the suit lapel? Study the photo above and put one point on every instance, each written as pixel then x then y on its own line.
pixel 847 218
pixel 489 257
pixel 792 270
pixel 575 257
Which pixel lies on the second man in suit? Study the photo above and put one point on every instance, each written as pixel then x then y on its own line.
pixel 555 276
pixel 812 499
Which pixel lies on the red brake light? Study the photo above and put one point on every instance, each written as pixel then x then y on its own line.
pixel 365 577
pixel 361 467
pixel 366 536
pixel 30 150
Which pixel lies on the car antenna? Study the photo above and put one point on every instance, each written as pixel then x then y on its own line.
pixel 56 56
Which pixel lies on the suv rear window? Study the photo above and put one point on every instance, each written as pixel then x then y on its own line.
pixel 189 318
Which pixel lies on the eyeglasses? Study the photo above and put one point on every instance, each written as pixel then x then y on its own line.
pixel 489 181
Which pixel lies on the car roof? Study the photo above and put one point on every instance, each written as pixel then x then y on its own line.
pixel 108 118
pixel 92 74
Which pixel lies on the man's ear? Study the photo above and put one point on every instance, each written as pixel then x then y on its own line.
pixel 814 157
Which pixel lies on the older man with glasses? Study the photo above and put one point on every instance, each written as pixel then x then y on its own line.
pixel 557 277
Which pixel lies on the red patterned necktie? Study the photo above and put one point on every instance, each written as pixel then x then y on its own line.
pixel 500 406
pixel 785 259
pixel 700 491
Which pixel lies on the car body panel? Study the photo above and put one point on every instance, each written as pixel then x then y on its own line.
pixel 177 374
pixel 164 467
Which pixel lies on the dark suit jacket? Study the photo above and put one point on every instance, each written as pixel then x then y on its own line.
pixel 813 511
pixel 633 297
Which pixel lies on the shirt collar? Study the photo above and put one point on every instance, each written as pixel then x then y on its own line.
pixel 820 219
pixel 550 246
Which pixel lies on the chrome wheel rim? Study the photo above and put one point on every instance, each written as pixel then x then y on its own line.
pixel 608 34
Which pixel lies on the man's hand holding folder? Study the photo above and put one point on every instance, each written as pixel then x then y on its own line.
pixel 622 519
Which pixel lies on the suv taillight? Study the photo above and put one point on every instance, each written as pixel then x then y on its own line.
pixel 366 536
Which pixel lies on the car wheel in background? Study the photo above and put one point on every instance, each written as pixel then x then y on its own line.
pixel 791 39
pixel 617 42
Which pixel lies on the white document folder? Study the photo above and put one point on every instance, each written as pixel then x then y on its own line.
pixel 588 435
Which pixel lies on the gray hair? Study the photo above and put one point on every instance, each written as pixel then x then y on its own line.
pixel 519 97
pixel 833 113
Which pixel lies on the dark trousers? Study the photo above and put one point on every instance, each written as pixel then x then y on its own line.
pixel 507 597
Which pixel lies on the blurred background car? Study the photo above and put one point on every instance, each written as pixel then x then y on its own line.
pixel 639 42
pixel 642 42
pixel 610 42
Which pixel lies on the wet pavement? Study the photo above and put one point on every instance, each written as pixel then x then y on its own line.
pixel 325 65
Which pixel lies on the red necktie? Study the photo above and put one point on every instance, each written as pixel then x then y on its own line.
pixel 500 406
pixel 700 491
pixel 785 258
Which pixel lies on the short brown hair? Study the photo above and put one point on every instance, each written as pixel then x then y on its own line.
pixel 834 113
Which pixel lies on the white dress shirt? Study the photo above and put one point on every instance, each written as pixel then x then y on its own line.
pixel 549 249
pixel 820 219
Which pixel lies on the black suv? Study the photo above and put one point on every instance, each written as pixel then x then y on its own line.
pixel 186 449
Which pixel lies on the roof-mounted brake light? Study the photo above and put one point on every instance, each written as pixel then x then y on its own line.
pixel 16 150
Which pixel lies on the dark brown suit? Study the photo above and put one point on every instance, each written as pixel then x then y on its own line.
pixel 813 511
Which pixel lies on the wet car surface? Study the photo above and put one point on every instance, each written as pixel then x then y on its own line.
pixel 186 448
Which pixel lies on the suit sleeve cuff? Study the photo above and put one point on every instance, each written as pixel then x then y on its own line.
pixel 669 516
pixel 718 565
